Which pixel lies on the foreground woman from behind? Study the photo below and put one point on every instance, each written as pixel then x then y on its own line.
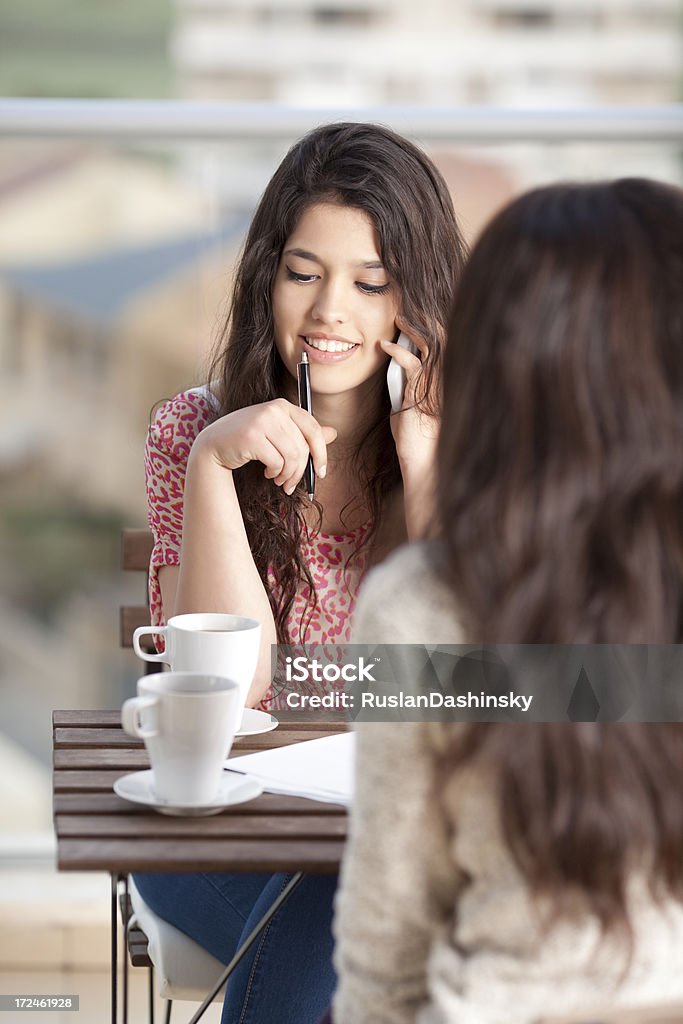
pixel 497 873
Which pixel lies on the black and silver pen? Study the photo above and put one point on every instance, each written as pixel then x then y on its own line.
pixel 303 376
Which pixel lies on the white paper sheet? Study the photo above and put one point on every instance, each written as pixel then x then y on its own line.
pixel 319 769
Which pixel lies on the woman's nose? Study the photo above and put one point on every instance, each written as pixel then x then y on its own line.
pixel 330 305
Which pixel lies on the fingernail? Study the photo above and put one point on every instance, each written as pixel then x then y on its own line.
pixel 290 489
pixel 322 472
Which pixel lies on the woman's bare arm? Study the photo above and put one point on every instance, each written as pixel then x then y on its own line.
pixel 217 571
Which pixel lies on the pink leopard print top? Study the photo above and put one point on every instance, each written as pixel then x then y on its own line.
pixel 171 433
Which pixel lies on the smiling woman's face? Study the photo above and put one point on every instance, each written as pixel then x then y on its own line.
pixel 333 299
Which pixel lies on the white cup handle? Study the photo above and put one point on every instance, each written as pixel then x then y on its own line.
pixel 144 631
pixel 132 713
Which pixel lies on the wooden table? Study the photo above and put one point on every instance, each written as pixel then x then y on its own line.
pixel 99 831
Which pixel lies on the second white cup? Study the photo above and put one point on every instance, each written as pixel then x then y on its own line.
pixel 188 721
pixel 225 645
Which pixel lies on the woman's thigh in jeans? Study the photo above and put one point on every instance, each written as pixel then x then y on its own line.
pixel 287 978
pixel 287 975
pixel 211 908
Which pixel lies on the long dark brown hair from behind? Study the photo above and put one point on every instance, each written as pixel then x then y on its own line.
pixel 561 510
pixel 374 170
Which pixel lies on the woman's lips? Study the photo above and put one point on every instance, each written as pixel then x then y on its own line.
pixel 316 355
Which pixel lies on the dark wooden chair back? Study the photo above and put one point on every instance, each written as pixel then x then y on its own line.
pixel 136 549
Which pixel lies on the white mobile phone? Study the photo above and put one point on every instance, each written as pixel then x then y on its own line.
pixel 396 375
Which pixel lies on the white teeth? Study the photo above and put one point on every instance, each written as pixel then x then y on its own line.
pixel 323 345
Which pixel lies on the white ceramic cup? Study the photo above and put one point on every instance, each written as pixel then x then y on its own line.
pixel 188 721
pixel 225 645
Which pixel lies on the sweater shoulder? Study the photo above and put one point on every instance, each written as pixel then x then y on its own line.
pixel 405 600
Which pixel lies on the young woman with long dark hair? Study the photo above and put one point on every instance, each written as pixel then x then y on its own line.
pixel 354 240
pixel 499 873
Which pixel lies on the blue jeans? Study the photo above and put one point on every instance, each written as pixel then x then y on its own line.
pixel 287 975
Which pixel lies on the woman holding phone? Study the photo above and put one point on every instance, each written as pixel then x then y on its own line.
pixel 353 242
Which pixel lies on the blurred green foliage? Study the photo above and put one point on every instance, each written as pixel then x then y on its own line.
pixel 50 550
pixel 85 48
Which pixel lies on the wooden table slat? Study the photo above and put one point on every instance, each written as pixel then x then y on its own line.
pixel 107 802
pixel 135 758
pixel 98 738
pixel 306 721
pixel 101 717
pixel 125 759
pixel 222 826
pixel 86 781
pixel 125 855
pixel 70 738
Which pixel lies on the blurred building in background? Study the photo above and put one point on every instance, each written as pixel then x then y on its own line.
pixel 497 52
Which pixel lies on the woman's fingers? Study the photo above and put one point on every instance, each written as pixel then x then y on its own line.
pixel 408 360
pixel 277 434
pixel 296 436
pixel 272 459
pixel 317 438
pixel 415 339
pixel 410 363
pixel 289 484
pixel 329 435
pixel 292 471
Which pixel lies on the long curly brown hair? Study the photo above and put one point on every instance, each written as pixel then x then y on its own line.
pixel 374 170
pixel 561 510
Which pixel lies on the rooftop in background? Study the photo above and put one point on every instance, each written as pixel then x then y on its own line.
pixel 100 287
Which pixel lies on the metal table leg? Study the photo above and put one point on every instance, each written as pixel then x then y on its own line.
pixel 150 978
pixel 126 928
pixel 248 942
pixel 114 946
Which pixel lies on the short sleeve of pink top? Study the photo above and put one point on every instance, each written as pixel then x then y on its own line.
pixel 175 426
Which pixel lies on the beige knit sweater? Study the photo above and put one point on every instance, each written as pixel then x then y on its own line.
pixel 434 924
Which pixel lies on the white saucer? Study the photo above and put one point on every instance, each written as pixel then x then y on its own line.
pixel 234 789
pixel 255 722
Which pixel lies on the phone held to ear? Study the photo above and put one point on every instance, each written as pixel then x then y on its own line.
pixel 396 375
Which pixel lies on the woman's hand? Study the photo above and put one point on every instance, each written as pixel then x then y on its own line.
pixel 414 429
pixel 415 433
pixel 277 433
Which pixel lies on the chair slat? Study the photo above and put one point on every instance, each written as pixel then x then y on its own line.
pixel 137 940
pixel 136 549
pixel 130 617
